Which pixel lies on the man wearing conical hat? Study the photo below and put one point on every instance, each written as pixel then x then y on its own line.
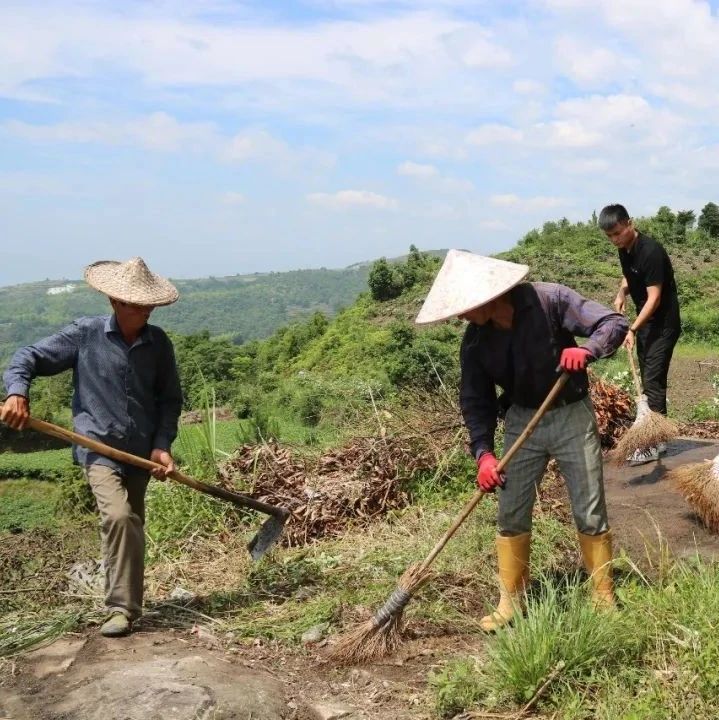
pixel 518 336
pixel 126 395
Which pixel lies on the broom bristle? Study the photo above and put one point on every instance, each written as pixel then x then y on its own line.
pixel 648 431
pixel 382 635
pixel 699 484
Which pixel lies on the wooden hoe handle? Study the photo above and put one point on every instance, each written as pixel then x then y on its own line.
pixel 125 457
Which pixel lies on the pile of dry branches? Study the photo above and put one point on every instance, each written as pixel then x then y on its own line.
pixel 704 429
pixel 353 484
pixel 363 479
pixel 614 409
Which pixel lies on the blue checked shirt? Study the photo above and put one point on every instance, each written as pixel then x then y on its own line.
pixel 126 397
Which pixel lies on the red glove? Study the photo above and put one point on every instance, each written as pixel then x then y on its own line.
pixel 574 359
pixel 487 476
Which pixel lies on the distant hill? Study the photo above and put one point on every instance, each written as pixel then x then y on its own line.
pixel 238 307
pixel 378 339
pixel 242 307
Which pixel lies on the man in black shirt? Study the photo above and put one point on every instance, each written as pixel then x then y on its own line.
pixel 517 335
pixel 648 277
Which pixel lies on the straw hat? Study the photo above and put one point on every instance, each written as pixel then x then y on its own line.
pixel 130 282
pixel 466 281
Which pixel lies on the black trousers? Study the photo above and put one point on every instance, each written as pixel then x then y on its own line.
pixel 655 346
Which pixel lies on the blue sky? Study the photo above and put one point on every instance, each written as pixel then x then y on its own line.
pixel 223 137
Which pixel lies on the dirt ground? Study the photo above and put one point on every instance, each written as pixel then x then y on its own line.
pixel 690 382
pixel 172 675
pixel 644 507
pixel 161 674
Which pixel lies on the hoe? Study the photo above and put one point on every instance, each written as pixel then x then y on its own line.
pixel 269 532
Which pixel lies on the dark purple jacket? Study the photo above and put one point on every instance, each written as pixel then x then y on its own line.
pixel 523 360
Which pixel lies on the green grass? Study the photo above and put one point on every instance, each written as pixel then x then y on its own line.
pixel 41 465
pixel 292 590
pixel 656 659
pixel 227 437
pixel 27 504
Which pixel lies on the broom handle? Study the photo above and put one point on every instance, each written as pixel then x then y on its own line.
pixel 633 366
pixel 125 457
pixel 467 509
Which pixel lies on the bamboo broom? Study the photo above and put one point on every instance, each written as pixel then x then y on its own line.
pixel 649 428
pixel 699 484
pixel 382 634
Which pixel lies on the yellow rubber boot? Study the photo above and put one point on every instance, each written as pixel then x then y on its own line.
pixel 513 564
pixel 597 554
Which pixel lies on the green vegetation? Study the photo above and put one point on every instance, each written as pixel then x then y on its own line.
pixel 26 504
pixel 241 307
pixel 317 381
pixel 658 658
pixel 579 255
pixel 43 465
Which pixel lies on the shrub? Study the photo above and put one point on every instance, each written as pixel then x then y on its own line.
pixel 385 281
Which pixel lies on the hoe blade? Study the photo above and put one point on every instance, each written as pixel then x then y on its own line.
pixel 269 533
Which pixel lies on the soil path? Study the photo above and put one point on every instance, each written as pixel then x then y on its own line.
pixel 644 507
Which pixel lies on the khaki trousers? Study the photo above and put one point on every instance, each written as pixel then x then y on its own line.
pixel 569 434
pixel 121 502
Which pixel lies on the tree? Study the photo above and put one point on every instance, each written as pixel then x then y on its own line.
pixel 384 281
pixel 709 220
pixel 686 219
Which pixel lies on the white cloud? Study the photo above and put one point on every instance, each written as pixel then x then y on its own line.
pixel 538 202
pixel 456 185
pixel 353 198
pixel 385 58
pixel 587 166
pixel 526 86
pixel 482 53
pixel 253 144
pixel 587 65
pixel 161 132
pixel 417 170
pixel 494 134
pixel 596 120
pixel 233 198
pixel 158 131
pixel 572 134
pixel 493 225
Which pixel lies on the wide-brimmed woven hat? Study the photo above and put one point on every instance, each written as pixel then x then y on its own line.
pixel 466 281
pixel 130 282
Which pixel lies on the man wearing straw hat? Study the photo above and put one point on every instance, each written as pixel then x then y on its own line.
pixel 126 395
pixel 518 336
pixel 648 277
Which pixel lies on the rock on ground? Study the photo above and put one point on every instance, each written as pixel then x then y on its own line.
pixel 139 678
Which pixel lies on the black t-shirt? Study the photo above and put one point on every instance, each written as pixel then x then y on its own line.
pixel 648 264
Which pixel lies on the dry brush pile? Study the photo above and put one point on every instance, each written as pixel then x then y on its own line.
pixel 367 477
pixel 614 409
pixel 353 484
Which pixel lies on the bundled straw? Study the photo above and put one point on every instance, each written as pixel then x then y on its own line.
pixel 382 634
pixel 699 484
pixel 648 430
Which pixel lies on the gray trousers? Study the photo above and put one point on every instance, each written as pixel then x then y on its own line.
pixel 121 501
pixel 569 434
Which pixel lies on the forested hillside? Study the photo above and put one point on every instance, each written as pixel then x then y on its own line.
pixel 312 365
pixel 242 307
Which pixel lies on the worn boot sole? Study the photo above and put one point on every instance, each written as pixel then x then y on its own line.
pixel 115 627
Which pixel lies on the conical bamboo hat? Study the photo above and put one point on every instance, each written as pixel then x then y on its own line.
pixel 131 282
pixel 466 281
